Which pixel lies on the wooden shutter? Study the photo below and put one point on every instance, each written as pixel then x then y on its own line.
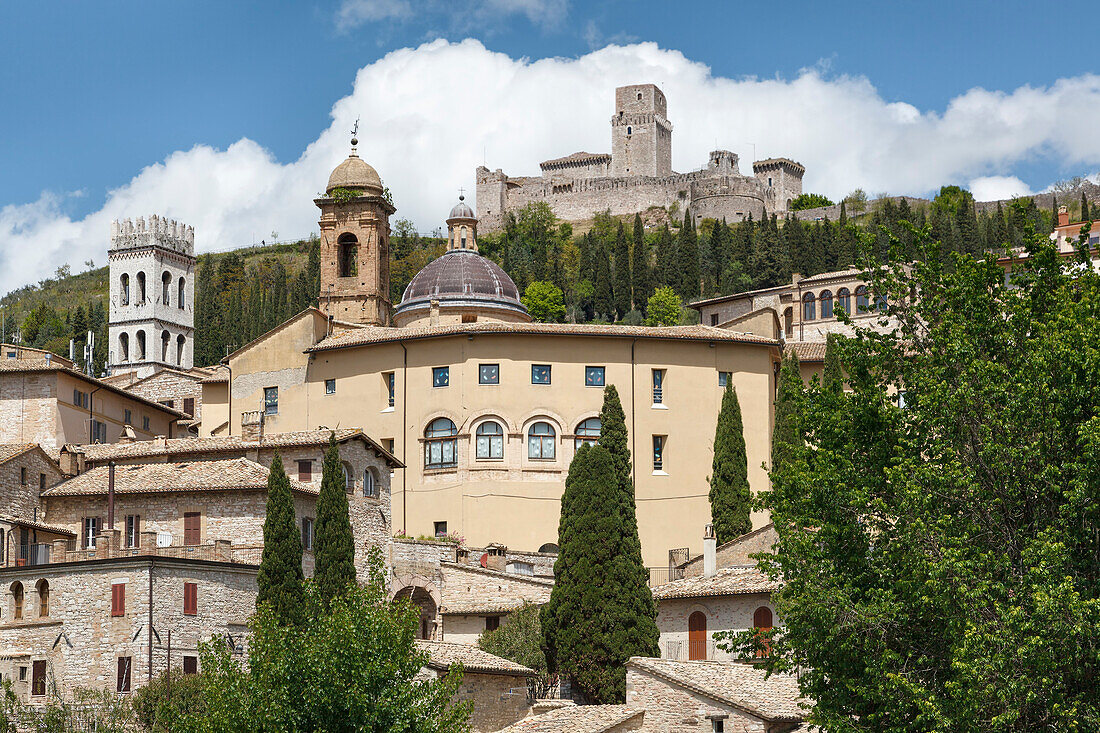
pixel 38 677
pixel 697 636
pixel 191 528
pixel 190 665
pixel 305 471
pixel 189 405
pixel 190 599
pixel 118 599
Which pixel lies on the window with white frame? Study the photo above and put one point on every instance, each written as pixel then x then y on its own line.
pixel 440 443
pixel 489 441
pixel 541 438
pixel 588 432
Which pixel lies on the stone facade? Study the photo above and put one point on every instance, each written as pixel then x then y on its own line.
pixel 638 175
pixel 497 699
pixel 172 387
pixel 152 292
pixel 738 551
pixel 721 613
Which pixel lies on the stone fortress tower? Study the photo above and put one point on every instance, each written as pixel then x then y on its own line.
pixel 355 244
pixel 638 175
pixel 152 289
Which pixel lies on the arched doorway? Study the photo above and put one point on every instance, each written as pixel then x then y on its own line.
pixel 421 598
pixel 762 622
pixel 697 636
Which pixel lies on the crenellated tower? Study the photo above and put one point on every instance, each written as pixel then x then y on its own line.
pixel 641 135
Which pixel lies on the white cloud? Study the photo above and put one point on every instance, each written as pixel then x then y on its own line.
pixel 458 15
pixel 431 114
pixel 357 12
pixel 992 188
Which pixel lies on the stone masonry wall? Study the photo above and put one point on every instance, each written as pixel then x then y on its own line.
pixel 498 699
pixel 724 613
pixel 670 708
pixel 20 499
pixel 28 408
pixel 737 552
pixel 171 387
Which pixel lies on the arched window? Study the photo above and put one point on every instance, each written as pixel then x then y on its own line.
pixel 788 322
pixel 349 482
pixel 124 289
pixel 179 294
pixel 861 299
pixel 628 130
pixel 463 237
pixel 348 255
pixel 17 600
pixel 165 339
pixel 588 432
pixel 166 288
pixel 124 347
pixel 370 484
pixel 540 441
pixel 762 622
pixel 43 589
pixel 808 308
pixel 490 441
pixel 181 346
pixel 880 303
pixel 697 636
pixel 141 346
pixel 844 300
pixel 548 547
pixel 141 288
pixel 826 304
pixel 439 446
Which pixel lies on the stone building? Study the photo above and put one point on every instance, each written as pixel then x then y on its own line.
pixel 638 174
pixel 46 402
pixel 25 472
pixel 496 687
pixel 171 387
pixel 151 322
pixel 485 409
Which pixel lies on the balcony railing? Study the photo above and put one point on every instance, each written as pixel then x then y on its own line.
pixel 660 576
pixel 35 554
pixel 685 651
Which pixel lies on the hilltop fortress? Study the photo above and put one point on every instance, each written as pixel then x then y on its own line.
pixel 638 174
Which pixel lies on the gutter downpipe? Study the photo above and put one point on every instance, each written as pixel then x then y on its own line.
pixel 404 437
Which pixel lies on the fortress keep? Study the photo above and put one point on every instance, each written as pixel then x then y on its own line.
pixel 638 174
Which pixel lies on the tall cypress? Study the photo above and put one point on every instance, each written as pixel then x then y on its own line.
pixel 603 300
pixel 730 496
pixel 688 260
pixel 771 265
pixel 622 285
pixel 642 271
pixel 833 376
pixel 787 434
pixel 666 274
pixel 280 577
pixel 334 554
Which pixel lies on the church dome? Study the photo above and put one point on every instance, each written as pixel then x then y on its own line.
pixel 462 281
pixel 355 173
pixel 462 210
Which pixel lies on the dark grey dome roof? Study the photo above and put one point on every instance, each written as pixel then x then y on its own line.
pixel 462 210
pixel 462 275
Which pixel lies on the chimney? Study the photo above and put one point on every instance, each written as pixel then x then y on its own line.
pixel 795 277
pixel 497 557
pixel 1063 216
pixel 128 435
pixel 252 425
pixel 710 547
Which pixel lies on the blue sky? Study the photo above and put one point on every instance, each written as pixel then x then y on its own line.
pixel 94 93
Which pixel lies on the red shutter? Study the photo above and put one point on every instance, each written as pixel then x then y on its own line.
pixel 191 528
pixel 190 599
pixel 118 599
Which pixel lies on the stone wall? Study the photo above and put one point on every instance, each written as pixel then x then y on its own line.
pixel 28 408
pixel 19 499
pixel 723 613
pixel 670 707
pixel 738 551
pixel 498 700
pixel 172 388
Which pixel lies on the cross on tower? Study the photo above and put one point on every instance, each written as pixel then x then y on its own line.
pixel 461 192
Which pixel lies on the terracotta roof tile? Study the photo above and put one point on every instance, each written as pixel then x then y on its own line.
pixel 379 334
pixel 9 451
pixel 41 365
pixel 180 447
pixel 36 525
pixel 808 351
pixel 576 719
pixel 732 581
pixel 152 478
pixel 774 698
pixel 852 273
pixel 442 654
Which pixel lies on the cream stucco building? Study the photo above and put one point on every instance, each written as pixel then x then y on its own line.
pixel 483 406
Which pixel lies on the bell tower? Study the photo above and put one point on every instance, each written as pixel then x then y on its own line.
pixel 355 244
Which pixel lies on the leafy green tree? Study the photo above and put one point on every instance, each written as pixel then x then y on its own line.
pixel 832 376
pixel 664 308
pixel 351 667
pixel 519 638
pixel 787 432
pixel 334 553
pixel 809 201
pixel 622 285
pixel 730 496
pixel 687 256
pixel 280 577
pixel 940 561
pixel 641 269
pixel 160 704
pixel 544 301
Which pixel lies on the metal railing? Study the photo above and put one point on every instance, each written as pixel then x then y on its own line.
pixel 31 555
pixel 660 576
pixel 691 650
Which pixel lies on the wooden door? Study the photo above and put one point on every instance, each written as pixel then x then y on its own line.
pixel 762 621
pixel 191 528
pixel 697 636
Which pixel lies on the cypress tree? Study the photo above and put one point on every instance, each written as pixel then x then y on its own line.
pixel 1085 215
pixel 666 260
pixel 999 232
pixel 730 496
pixel 833 375
pixel 688 256
pixel 334 553
pixel 600 611
pixel 602 297
pixel 771 265
pixel 786 434
pixel 614 436
pixel 622 284
pixel 642 270
pixel 280 577
pixel 966 228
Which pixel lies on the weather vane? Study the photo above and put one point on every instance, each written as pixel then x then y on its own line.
pixel 355 132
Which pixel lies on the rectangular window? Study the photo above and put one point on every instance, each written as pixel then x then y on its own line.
pixel 719 725
pixel 305 471
pixel 168 403
pixel 724 378
pixel 492 623
pixel 38 676
pixel 440 529
pixel 189 406
pixel 190 599
pixel 41 482
pixel 99 430
pixel 488 374
pixel 659 452
pixel 593 376
pixel 441 376
pixel 271 400
pixel 389 377
pixel 133 530
pixel 91 529
pixel 714 319
pixel 330 386
pixel 190 665
pixel 80 399
pixel 307 533
pixel 23 475
pixel 540 374
pixel 127 418
pixel 125 666
pixel 144 426
pixel 118 599
pixel 192 528
pixel 658 386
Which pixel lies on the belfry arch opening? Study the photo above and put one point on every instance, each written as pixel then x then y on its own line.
pixel 347 255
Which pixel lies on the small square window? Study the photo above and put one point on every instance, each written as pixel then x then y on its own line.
pixel 330 386
pixel 593 376
pixel 724 378
pixel 271 400
pixel 440 529
pixel 441 376
pixel 488 374
pixel 540 374
pixel 190 665
pixel 305 471
pixel 714 319
pixel 492 623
